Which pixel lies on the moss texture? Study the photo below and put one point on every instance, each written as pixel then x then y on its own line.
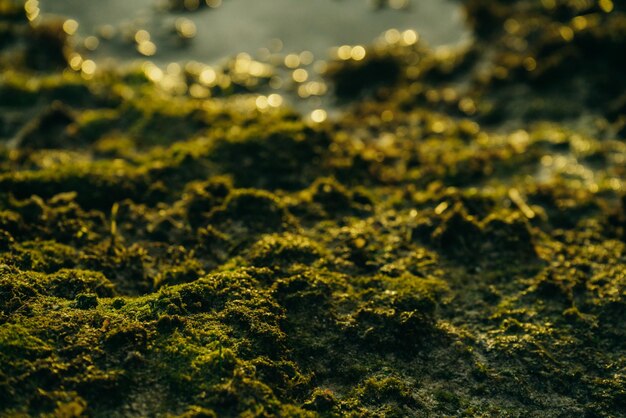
pixel 433 252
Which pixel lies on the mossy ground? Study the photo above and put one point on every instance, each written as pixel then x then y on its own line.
pixel 437 251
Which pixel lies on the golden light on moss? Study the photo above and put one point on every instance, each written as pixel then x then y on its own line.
pixel 75 61
pixel 292 61
pixel 173 84
pixel 306 57
pixel 580 23
pixel 319 115
pixel 70 26
pixel 616 184
pixel 410 37
pixel 438 126
pixel 258 69
pixel 262 103
pixel 174 69
pixel 31 7
pixel 91 43
pixel 530 64
pixel 442 207
pixel 566 33
pixel 106 31
pixel 300 75
pixel 500 72
pixel 607 6
pixel 242 64
pixel 198 92
pixel 392 36
pixel 185 28
pixel 433 96
pixel 467 106
pixel 276 83
pixel 194 68
pixel 276 45
pixel 147 48
pixel 208 76
pixel 88 69
pixel 516 198
pixel 387 116
pixel 512 26
pixel 547 160
pixel 320 67
pixel 275 100
pixel 449 95
pixel 152 72
pixel 358 53
pixel 316 88
pixel 360 242
pixel 142 36
pixel 344 52
pixel 303 92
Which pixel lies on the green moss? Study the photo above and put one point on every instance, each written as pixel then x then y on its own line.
pixel 255 211
pixel 277 251
pixel 70 283
pixel 167 256
pixel 190 271
pixel 47 256
pixel 48 129
pixel 86 301
pixel 459 233
pixel 273 155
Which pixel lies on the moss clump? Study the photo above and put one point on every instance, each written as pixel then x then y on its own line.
pixel 86 301
pixel 510 236
pixel 201 198
pixel 253 210
pixel 68 284
pixel 391 396
pixel 282 155
pixel 47 256
pixel 498 235
pixel 49 127
pixel 458 234
pixel 330 198
pixel 189 271
pixel 283 251
pixel 16 289
pixel 362 77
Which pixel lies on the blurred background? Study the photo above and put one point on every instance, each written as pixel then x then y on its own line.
pixel 209 30
pixel 287 41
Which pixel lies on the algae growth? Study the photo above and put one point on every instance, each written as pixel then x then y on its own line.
pixel 453 245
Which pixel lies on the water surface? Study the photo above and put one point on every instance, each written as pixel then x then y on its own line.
pixel 248 25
